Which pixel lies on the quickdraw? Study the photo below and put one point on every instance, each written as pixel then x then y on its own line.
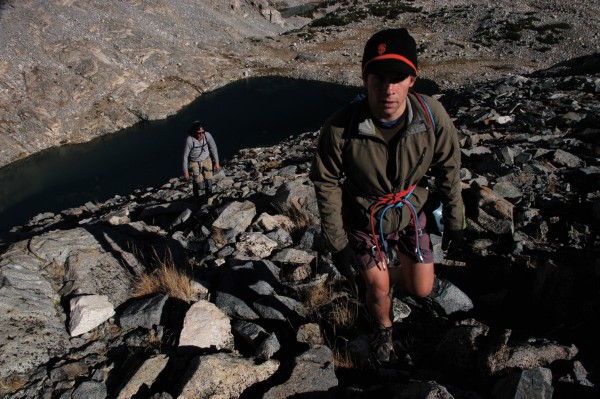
pixel 389 201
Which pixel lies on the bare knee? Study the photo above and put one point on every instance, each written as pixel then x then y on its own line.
pixel 416 278
pixel 378 294
pixel 422 286
pixel 422 290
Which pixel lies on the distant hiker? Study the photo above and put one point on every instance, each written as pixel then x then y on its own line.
pixel 368 172
pixel 199 156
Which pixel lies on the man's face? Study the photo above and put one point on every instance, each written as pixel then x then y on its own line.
pixel 387 93
pixel 200 133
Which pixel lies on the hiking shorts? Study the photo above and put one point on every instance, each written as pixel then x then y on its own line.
pixel 400 241
pixel 201 170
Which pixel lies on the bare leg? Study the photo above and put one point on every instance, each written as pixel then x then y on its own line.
pixel 377 282
pixel 415 278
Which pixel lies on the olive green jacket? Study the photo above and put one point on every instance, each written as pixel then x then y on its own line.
pixel 354 163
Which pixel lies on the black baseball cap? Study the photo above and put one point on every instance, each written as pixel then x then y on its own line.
pixel 390 50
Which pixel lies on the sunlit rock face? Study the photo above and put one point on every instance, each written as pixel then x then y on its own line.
pixel 73 71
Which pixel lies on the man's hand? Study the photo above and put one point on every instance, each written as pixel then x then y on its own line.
pixel 217 167
pixel 186 175
pixel 345 261
pixel 452 240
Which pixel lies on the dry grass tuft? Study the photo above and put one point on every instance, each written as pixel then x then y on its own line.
pixel 297 215
pixel 339 311
pixel 344 313
pixel 219 237
pixel 318 296
pixel 11 384
pixel 166 279
pixel 153 340
pixel 342 359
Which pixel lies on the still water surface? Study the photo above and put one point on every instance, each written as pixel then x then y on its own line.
pixel 248 113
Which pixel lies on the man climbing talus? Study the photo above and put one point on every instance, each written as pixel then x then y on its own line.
pixel 369 175
pixel 199 155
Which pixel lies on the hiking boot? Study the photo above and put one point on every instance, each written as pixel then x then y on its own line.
pixel 381 344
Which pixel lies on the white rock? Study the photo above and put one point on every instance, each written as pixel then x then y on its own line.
pixel 88 312
pixel 205 326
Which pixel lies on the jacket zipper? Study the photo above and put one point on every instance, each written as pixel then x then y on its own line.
pixel 413 171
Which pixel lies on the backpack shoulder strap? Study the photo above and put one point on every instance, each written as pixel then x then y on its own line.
pixel 426 108
pixel 202 143
pixel 348 128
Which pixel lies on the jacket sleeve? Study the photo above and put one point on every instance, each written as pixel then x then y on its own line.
pixel 325 173
pixel 446 166
pixel 186 153
pixel 213 147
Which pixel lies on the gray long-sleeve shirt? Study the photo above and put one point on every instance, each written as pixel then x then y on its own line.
pixel 198 150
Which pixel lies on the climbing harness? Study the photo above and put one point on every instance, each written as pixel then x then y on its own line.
pixel 389 201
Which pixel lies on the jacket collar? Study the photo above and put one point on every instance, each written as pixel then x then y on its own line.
pixel 414 122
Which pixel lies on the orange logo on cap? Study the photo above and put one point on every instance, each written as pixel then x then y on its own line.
pixel 381 48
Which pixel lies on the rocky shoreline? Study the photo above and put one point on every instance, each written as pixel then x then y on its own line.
pixel 247 302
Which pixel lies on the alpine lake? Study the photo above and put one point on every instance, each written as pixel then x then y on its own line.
pixel 253 112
